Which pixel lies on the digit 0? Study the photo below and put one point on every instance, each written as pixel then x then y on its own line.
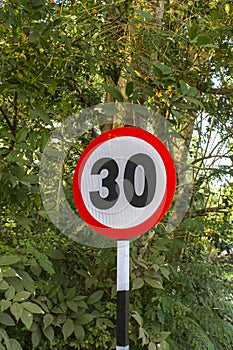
pixel 146 197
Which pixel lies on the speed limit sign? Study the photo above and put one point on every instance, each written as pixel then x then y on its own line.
pixel 124 182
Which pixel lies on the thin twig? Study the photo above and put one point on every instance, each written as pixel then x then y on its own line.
pixel 7 119
pixel 15 113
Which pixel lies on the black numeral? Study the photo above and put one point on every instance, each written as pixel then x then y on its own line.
pixel 109 182
pixel 146 197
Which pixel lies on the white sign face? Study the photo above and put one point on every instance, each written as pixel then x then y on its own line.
pixel 123 182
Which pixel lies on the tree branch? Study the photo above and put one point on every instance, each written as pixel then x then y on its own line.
pixel 7 120
pixel 219 209
pixel 15 113
pixel 227 91
pixel 220 156
pixel 93 30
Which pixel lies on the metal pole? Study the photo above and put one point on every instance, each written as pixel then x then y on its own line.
pixel 122 337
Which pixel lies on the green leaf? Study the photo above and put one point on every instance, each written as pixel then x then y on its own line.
pixel 138 318
pixel 36 338
pixel 113 92
pixel 95 297
pixel 113 291
pixel 56 254
pixel 60 319
pixel 157 72
pixel 4 286
pixel 144 14
pixel 29 179
pixel 9 260
pixel 79 331
pixel 137 283
pixel 131 71
pixel 192 92
pixel 15 345
pixel 33 308
pixel 28 282
pixel 193 32
pixel 129 88
pixel 33 139
pixel 10 293
pixel 152 346
pixel 143 336
pixel 25 223
pixel 104 321
pixel 164 346
pixel 21 135
pixel 80 298
pixel 166 70
pixel 48 320
pixel 49 333
pixel 36 268
pixel 37 3
pixel 4 304
pixel 21 296
pixel 27 319
pixel 153 283
pixel 4 335
pixel 161 337
pixel 71 292
pixel 6 319
pixel 183 87
pixel 195 101
pixel 60 296
pixel 44 139
pixel 16 310
pixel 177 114
pixel 38 111
pixel 72 305
pixel 156 267
pixel 214 14
pixel 9 272
pixel 67 328
pixel 84 319
pixel 145 60
pixel 82 304
pixel 159 259
pixel 165 272
pixel 203 40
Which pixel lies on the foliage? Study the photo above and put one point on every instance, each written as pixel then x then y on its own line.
pixel 192 305
pixel 54 308
pixel 58 57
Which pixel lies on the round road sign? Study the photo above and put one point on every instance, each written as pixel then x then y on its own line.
pixel 124 182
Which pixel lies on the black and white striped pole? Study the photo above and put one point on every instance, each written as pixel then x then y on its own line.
pixel 122 336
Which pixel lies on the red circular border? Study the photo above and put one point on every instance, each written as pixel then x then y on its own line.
pixel 125 233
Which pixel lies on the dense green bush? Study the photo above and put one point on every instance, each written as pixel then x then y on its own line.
pixel 64 297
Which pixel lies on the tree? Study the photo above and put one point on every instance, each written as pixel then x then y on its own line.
pixel 62 56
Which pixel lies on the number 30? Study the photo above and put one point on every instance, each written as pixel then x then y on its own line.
pixel 138 201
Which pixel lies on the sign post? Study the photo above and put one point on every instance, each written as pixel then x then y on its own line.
pixel 122 334
pixel 123 184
